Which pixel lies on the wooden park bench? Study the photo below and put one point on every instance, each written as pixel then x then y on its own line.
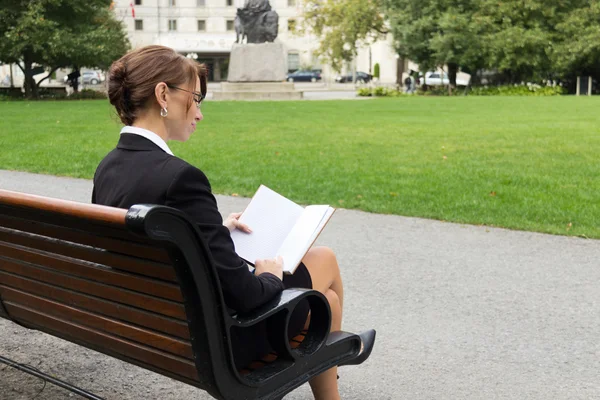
pixel 140 285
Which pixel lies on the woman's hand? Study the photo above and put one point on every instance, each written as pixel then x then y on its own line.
pixel 233 222
pixel 273 266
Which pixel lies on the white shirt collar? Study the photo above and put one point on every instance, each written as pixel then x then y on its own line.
pixel 151 136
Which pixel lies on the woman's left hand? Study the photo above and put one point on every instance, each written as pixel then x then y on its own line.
pixel 233 222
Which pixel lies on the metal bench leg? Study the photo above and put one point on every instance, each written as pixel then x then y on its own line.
pixel 32 371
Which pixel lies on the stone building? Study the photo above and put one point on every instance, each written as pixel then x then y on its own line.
pixel 204 30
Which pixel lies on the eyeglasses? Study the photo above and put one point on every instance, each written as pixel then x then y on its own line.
pixel 198 97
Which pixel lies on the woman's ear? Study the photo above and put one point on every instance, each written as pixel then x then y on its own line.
pixel 160 91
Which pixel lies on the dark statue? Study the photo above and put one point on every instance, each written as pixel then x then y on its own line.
pixel 256 22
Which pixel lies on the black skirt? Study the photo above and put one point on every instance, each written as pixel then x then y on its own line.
pixel 251 344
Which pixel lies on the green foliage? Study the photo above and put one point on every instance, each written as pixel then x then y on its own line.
pixel 59 33
pixel 51 94
pixel 382 91
pixel 524 41
pixel 7 94
pixel 579 54
pixel 441 90
pixel 342 26
pixel 517 90
pixel 502 90
pixel 376 71
pixel 378 91
pixel 88 94
pixel 365 92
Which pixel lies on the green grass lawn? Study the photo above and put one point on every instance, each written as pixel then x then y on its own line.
pixel 521 163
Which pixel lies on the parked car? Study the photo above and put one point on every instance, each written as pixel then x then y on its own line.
pixel 439 78
pixel 89 78
pixel 361 77
pixel 304 76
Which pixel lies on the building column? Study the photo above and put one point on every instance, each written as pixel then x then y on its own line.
pixel 217 70
pixel 401 68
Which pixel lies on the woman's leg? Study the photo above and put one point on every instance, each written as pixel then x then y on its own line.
pixel 324 270
pixel 325 274
pixel 325 386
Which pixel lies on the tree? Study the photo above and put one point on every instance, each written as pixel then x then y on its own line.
pixel 518 41
pixel 438 33
pixel 54 34
pixel 577 48
pixel 342 27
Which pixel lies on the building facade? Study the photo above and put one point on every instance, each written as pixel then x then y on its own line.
pixel 204 30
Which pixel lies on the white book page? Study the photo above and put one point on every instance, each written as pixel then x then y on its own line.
pixel 271 217
pixel 326 217
pixel 302 236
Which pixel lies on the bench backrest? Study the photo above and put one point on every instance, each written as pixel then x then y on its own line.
pixel 114 280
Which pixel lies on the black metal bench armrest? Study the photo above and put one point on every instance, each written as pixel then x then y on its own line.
pixel 286 300
pixel 277 312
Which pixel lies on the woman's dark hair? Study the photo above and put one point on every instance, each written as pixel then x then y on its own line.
pixel 133 77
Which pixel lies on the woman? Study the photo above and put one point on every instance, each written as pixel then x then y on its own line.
pixel 157 94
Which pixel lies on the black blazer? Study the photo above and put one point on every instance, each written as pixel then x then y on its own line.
pixel 138 171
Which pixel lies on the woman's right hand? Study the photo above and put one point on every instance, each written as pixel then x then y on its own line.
pixel 274 266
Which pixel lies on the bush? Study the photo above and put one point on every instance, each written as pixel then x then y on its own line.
pixel 53 94
pixel 49 94
pixel 505 90
pixel 88 94
pixel 427 90
pixel 517 90
pixel 7 94
pixel 376 71
pixel 378 91
pixel 365 92
pixel 382 91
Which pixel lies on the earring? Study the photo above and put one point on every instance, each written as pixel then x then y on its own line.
pixel 163 112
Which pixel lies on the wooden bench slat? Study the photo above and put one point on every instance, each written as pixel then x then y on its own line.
pixel 120 246
pixel 128 297
pixel 104 342
pixel 95 255
pixel 89 212
pixel 95 272
pixel 97 322
pixel 145 319
pixel 116 231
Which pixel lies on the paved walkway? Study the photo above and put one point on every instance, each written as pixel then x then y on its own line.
pixel 462 312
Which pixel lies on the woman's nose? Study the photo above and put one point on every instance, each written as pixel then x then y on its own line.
pixel 199 116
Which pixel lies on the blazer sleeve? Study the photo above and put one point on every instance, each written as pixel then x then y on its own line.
pixel 243 291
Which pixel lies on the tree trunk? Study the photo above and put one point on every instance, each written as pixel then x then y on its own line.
pixel 76 81
pixel 31 91
pixel 452 71
pixel 47 76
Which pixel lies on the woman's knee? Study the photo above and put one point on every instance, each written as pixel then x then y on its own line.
pixel 322 265
pixel 323 256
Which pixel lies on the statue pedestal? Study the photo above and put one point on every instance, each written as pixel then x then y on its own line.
pixel 257 91
pixel 257 72
pixel 257 62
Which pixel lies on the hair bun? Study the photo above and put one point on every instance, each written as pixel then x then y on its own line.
pixel 118 90
pixel 118 71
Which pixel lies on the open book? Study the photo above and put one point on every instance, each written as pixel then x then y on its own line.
pixel 280 227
